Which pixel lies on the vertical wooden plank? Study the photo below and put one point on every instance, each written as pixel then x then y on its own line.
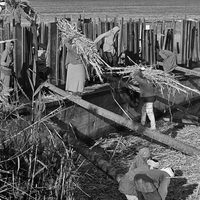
pixel 198 39
pixel 103 27
pixel 136 37
pixel 151 45
pixel 52 38
pixel 18 53
pixel 162 33
pixel 99 31
pixel 143 40
pixel 94 29
pixel 130 35
pixel 42 33
pixel 125 39
pixel 148 46
pixel 183 23
pixel 145 52
pixel 120 36
pixel 115 21
pixel 58 52
pixel 107 28
pixel 164 40
pixel 195 43
pixel 90 30
pixel 188 42
pixel 1 36
pixel 7 31
pixel 62 67
pixel 173 36
pixel 185 43
pixel 85 30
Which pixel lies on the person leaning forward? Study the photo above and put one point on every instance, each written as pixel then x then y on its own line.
pixel 153 184
pixel 126 183
pixel 109 52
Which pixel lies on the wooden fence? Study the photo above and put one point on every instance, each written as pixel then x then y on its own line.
pixel 138 39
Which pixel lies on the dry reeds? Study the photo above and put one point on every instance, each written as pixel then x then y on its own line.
pixel 160 79
pixel 84 46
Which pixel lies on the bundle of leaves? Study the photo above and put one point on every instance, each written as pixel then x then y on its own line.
pixel 84 46
pixel 21 8
pixel 157 77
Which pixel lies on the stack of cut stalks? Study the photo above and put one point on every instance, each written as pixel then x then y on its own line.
pixel 158 78
pixel 84 46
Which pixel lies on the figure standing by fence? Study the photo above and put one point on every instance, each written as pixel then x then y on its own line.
pixel 7 63
pixel 147 96
pixel 76 72
pixel 109 52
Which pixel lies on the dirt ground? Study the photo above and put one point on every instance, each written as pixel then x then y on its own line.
pixel 123 146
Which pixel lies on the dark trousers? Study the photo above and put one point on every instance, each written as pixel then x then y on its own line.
pixel 110 59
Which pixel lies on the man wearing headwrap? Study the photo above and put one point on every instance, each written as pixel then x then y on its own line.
pixel 7 62
pixel 109 52
pixel 147 96
pixel 141 159
pixel 153 184
pixel 139 163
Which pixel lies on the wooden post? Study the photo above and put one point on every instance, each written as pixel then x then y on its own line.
pixel 1 36
pixel 130 36
pixel 18 53
pixel 143 39
pixel 198 39
pixel 125 38
pixel 120 37
pixel 53 51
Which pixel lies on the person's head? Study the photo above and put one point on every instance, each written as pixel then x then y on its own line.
pixel 169 170
pixel 10 46
pixel 153 163
pixel 115 30
pixel 119 177
pixel 145 153
pixel 142 68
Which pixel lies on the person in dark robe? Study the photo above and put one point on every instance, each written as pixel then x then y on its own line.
pixel 153 184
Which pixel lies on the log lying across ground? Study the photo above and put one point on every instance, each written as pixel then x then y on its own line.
pixel 88 153
pixel 153 134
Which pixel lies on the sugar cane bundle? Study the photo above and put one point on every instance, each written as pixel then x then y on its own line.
pixel 84 46
pixel 21 8
pixel 159 78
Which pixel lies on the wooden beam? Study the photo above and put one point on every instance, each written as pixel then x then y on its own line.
pixel 153 134
pixel 89 153
pixel 188 71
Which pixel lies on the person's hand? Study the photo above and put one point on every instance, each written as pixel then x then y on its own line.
pixel 11 64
